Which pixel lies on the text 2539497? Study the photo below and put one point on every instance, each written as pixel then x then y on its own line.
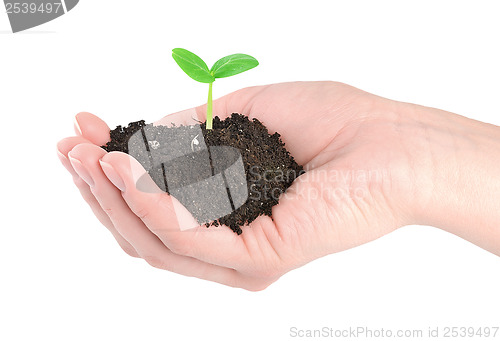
pixel 32 7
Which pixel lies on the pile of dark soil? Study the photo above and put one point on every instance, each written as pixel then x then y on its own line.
pixel 235 184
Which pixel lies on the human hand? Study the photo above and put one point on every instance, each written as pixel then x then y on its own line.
pixel 360 184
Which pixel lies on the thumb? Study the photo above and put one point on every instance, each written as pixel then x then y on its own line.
pixel 239 101
pixel 195 115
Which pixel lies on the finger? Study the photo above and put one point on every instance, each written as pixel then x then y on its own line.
pixel 147 245
pixel 63 148
pixel 166 218
pixel 92 128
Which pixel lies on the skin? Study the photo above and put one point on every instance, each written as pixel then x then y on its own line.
pixel 373 165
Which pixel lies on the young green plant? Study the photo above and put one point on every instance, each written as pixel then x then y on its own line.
pixel 198 70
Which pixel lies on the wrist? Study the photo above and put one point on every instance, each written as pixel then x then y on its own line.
pixel 456 165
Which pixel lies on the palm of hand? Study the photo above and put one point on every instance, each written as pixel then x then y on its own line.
pixel 337 132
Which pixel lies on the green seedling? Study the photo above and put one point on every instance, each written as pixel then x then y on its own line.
pixel 198 70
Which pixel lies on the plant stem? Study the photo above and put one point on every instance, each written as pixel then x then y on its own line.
pixel 209 107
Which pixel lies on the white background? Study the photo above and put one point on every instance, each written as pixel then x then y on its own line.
pixel 63 277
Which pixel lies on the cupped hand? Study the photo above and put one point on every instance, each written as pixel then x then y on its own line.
pixel 355 188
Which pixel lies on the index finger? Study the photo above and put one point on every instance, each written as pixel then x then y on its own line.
pixel 92 128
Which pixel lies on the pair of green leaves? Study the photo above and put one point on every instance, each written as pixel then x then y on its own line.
pixel 198 70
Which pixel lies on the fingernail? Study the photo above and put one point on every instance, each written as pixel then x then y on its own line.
pixel 78 130
pixel 112 175
pixel 65 162
pixel 81 171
